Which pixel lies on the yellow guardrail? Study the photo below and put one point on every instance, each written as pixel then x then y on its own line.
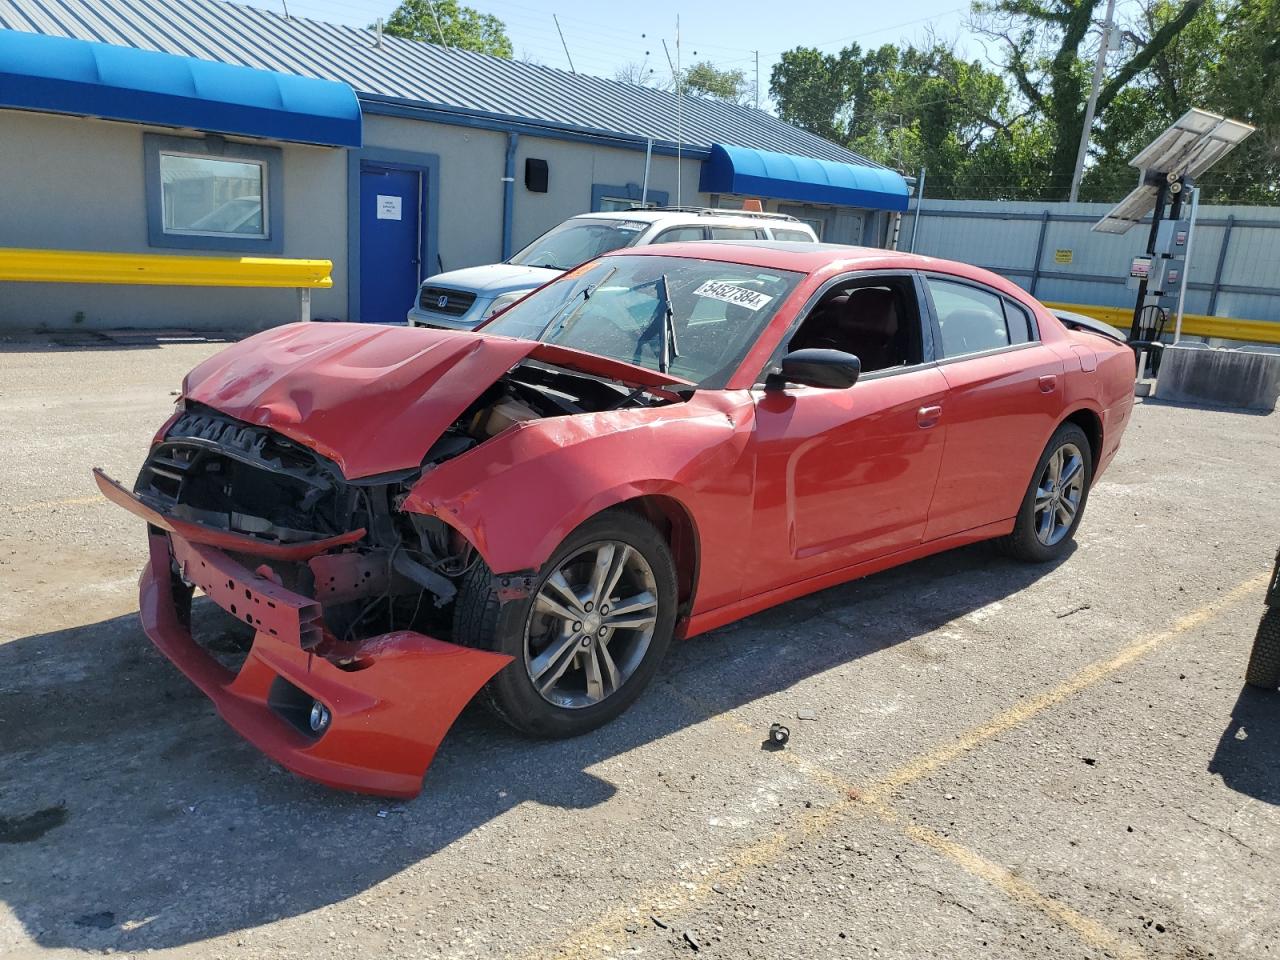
pixel 153 269
pixel 1196 324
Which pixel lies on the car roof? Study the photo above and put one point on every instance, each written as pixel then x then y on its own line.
pixel 812 257
pixel 733 217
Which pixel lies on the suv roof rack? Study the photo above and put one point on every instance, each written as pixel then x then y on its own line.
pixel 719 212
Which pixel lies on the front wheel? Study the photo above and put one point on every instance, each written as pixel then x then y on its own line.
pixel 589 637
pixel 1054 502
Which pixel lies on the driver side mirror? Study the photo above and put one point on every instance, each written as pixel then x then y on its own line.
pixel 816 367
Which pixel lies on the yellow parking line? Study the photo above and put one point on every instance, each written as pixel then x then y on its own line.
pixel 609 929
pixel 1017 715
pixel 53 504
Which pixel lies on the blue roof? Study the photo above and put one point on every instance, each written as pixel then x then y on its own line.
pixel 764 173
pixel 408 73
pixel 60 75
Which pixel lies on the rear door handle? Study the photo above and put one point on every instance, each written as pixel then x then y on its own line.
pixel 1048 383
pixel 928 416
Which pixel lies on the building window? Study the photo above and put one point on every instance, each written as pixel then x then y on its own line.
pixel 212 197
pixel 607 196
pixel 210 194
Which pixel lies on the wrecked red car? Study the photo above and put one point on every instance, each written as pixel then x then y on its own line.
pixel 655 444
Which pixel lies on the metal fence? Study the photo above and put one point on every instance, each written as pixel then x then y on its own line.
pixel 1048 249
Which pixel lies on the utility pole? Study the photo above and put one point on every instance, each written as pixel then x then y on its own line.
pixel 679 116
pixel 757 53
pixel 1099 65
pixel 563 44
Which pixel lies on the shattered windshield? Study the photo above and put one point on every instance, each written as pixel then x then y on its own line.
pixel 693 318
pixel 577 241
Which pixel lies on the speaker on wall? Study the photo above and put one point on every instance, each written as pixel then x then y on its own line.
pixel 535 175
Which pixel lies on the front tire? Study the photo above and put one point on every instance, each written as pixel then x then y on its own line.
pixel 589 637
pixel 1055 500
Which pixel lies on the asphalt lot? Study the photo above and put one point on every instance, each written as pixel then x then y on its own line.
pixel 1005 761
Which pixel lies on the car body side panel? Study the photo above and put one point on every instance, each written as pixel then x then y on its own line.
pixel 999 411
pixel 842 475
pixel 519 495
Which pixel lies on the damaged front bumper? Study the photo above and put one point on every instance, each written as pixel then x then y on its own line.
pixel 369 721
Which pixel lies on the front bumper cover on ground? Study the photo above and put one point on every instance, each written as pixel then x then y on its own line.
pixel 390 702
pixel 390 707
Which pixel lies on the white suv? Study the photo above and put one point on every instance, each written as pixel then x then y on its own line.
pixel 461 299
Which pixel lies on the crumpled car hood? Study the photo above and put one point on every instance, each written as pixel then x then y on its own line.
pixel 371 398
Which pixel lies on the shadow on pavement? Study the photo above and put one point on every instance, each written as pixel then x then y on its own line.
pixel 138 820
pixel 1248 754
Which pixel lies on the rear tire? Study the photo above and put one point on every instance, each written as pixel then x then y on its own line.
pixel 1264 662
pixel 575 667
pixel 1055 499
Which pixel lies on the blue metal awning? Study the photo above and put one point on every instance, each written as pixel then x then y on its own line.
pixel 782 176
pixel 59 75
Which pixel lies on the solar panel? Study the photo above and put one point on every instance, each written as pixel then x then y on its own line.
pixel 1191 145
pixel 1195 142
pixel 1129 211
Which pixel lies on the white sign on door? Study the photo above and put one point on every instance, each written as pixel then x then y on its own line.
pixel 389 207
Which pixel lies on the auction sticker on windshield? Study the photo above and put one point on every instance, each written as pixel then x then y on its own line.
pixel 732 293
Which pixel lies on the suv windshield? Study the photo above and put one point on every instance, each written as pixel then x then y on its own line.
pixel 696 318
pixel 577 241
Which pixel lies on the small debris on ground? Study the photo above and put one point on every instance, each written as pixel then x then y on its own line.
pixel 691 940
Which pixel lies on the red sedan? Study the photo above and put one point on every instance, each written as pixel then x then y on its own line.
pixel 657 443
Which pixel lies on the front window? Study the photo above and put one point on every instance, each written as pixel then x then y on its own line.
pixel 617 307
pixel 212 196
pixel 577 241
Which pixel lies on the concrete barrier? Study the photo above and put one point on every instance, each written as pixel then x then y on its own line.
pixel 1246 377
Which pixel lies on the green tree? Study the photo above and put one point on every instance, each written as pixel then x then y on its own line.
pixel 1045 45
pixel 907 108
pixel 706 79
pixel 448 22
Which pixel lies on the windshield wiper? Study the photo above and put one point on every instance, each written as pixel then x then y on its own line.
pixel 670 349
pixel 584 294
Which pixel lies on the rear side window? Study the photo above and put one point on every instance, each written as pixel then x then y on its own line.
pixel 1019 321
pixel 797 236
pixel 734 233
pixel 971 320
pixel 679 235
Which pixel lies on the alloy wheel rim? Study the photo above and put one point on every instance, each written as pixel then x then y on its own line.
pixel 590 624
pixel 1059 493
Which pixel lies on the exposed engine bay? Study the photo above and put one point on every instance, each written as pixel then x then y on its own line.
pixel 223 473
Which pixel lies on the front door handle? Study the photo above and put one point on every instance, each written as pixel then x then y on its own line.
pixel 928 416
pixel 1048 383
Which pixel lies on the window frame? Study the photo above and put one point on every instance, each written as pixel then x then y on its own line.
pixel 928 333
pixel 269 159
pixel 630 192
pixel 1034 330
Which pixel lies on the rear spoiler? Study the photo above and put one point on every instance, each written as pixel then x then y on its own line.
pixel 1078 321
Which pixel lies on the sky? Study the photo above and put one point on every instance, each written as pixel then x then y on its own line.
pixel 602 38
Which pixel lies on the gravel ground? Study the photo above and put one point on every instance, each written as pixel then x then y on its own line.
pixel 1003 761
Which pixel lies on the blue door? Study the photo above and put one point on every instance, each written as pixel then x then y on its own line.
pixel 390 242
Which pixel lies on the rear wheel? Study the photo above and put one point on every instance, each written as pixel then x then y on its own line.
pixel 1055 501
pixel 589 637
pixel 1264 662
